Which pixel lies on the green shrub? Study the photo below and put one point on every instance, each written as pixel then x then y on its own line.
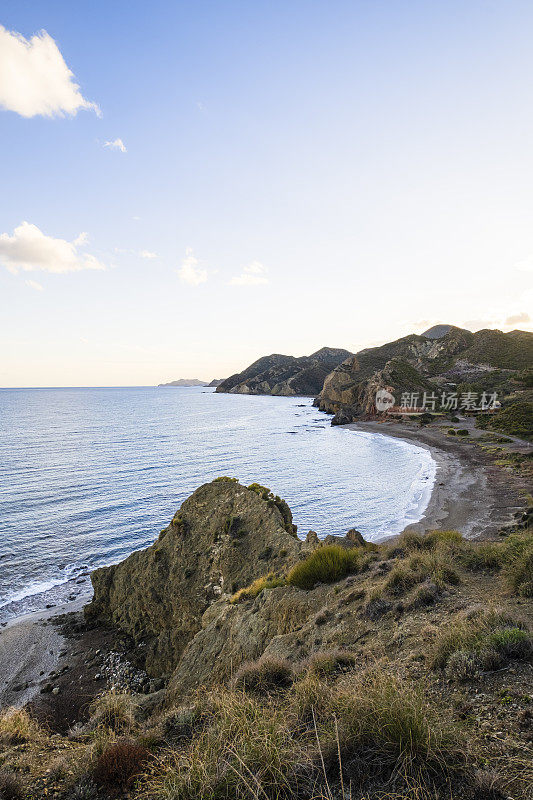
pixel 487 637
pixel 180 724
pixel 264 675
pixel 326 564
pixel 452 432
pixel 462 432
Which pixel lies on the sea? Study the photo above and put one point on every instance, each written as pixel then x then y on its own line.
pixel 88 475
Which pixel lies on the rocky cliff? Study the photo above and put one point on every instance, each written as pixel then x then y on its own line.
pixel 286 375
pixel 222 538
pixel 176 599
pixel 443 357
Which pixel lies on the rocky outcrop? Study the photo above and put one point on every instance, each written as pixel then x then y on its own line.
pixel 441 358
pixel 286 376
pixel 174 599
pixel 223 537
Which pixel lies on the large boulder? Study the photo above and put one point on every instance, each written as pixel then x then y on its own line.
pixel 222 538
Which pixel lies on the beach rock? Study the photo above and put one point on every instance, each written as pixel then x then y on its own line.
pixel 208 552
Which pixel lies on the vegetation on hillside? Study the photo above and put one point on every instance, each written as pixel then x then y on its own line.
pixel 422 707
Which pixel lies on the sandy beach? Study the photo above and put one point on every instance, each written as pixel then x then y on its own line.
pixel 470 494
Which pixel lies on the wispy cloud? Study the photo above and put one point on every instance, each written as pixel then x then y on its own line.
pixel 34 78
pixel 147 254
pixel 116 144
pixel 29 249
pixel 189 272
pixel 522 316
pixel 252 275
pixel 34 285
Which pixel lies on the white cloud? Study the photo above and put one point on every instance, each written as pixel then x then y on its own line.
pixel 34 79
pixel 34 285
pixel 526 265
pixel 523 316
pixel 252 275
pixel 29 249
pixel 147 254
pixel 190 272
pixel 116 144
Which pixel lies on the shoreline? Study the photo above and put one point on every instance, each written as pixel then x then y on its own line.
pixel 470 493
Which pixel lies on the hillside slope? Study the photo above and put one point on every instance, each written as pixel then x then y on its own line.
pixel 286 375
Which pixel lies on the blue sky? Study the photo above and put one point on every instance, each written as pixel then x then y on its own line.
pixel 330 173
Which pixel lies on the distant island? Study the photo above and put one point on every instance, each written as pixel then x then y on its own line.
pixel 192 382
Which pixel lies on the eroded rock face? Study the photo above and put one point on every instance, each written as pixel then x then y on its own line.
pixel 223 537
pixel 444 355
pixel 286 376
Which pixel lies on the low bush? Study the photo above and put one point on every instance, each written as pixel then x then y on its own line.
pixel 452 432
pixel 18 727
pixel 114 711
pixel 330 662
pixel 264 675
pixel 462 432
pixel 326 564
pixel 246 749
pixel 269 581
pixel 421 566
pixel 482 642
pixel 84 789
pixel 425 595
pixel 518 563
pixel 119 765
pixel 180 724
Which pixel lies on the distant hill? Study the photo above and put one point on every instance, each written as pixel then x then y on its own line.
pixel 442 357
pixel 286 375
pixel 216 382
pixel 185 382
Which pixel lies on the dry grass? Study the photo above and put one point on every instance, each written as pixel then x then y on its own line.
pixel 250 592
pixel 264 675
pixel 18 727
pixel 330 662
pixel 481 642
pixel 114 711
pixel 245 750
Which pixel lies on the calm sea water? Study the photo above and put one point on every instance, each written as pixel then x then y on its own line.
pixel 89 475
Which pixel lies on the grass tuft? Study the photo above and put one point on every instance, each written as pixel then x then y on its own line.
pixel 326 564
pixel 18 727
pixel 113 711
pixel 250 592
pixel 264 675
